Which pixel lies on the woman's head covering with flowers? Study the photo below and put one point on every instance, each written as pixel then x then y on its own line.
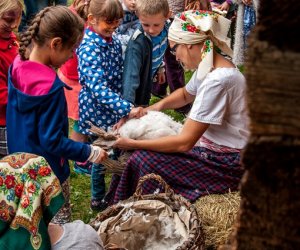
pixel 193 27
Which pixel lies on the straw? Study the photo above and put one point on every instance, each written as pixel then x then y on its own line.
pixel 217 213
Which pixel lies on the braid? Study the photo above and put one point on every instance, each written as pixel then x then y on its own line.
pixel 82 8
pixel 53 21
pixel 32 32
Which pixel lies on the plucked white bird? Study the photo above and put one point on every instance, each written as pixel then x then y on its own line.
pixel 153 125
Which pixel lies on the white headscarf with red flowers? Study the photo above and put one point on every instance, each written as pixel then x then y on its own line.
pixel 192 27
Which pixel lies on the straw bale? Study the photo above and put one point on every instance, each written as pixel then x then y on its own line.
pixel 217 213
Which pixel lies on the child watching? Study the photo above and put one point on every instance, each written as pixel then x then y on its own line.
pixel 129 23
pixel 145 51
pixel 36 111
pixel 100 72
pixel 10 16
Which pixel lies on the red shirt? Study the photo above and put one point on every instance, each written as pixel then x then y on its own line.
pixel 8 51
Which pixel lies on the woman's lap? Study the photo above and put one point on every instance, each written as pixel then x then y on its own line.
pixel 192 174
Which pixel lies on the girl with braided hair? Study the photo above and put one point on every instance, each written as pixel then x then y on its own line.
pixel 37 111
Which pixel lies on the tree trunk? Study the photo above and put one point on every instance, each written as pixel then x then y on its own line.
pixel 269 217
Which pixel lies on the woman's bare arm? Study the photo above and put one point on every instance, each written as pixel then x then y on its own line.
pixel 190 134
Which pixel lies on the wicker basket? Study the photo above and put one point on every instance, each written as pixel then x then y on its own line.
pixel 195 239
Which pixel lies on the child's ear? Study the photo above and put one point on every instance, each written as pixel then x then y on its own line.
pixel 56 43
pixel 91 19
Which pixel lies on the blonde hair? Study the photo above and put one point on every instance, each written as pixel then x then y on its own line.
pixel 110 10
pixel 152 7
pixel 8 5
pixel 54 21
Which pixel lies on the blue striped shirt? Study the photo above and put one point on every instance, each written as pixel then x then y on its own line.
pixel 159 44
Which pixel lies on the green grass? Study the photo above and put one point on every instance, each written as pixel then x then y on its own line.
pixel 81 196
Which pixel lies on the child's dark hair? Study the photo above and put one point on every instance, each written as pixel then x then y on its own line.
pixel 54 21
pixel 110 10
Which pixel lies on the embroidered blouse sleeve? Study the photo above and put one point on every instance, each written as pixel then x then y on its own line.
pixel 92 75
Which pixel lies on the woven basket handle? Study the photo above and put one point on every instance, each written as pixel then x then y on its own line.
pixel 138 193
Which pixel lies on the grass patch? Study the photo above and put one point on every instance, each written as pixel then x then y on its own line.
pixel 81 196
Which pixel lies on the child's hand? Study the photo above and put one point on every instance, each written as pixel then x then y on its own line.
pixel 137 112
pixel 224 6
pixel 97 154
pixel 214 5
pixel 119 124
pixel 161 77
pixel 134 113
pixel 102 156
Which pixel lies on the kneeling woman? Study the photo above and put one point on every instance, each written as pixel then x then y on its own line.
pixel 205 157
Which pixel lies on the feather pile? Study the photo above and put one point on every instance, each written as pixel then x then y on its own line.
pixel 153 125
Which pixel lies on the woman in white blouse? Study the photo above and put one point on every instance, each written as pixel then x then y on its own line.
pixel 205 157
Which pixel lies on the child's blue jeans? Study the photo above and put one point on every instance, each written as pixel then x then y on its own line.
pixel 98 182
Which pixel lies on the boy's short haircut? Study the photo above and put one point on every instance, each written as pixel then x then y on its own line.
pixel 152 7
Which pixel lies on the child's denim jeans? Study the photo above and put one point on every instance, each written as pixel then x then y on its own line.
pixel 97 182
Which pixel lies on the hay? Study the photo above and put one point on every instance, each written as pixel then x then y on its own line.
pixel 217 213
pixel 116 166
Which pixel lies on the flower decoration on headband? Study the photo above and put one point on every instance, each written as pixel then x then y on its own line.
pixel 187 26
pixel 207 47
pixel 202 27
pixel 200 13
pixel 190 28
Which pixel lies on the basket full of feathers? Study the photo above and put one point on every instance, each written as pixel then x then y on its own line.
pixel 152 221
pixel 153 125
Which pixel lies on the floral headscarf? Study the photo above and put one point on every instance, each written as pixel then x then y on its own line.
pixel 192 27
pixel 30 195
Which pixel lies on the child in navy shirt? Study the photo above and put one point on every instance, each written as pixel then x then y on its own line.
pixel 144 55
